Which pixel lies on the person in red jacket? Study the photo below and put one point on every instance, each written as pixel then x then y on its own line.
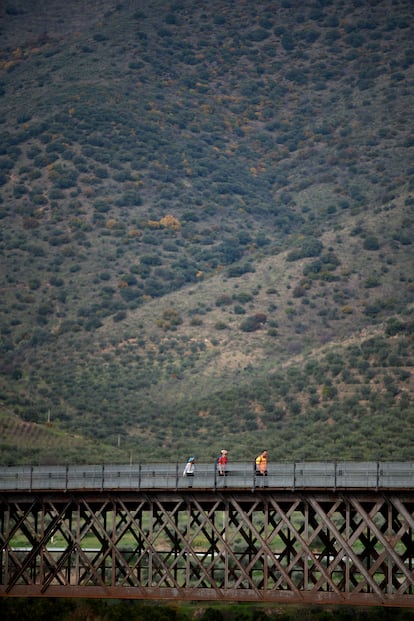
pixel 222 463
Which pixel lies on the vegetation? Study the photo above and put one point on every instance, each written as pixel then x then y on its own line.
pixel 207 224
pixel 113 610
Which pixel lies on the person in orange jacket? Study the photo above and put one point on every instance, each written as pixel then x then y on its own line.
pixel 261 464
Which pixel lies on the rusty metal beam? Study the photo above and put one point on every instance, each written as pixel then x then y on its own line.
pixel 261 545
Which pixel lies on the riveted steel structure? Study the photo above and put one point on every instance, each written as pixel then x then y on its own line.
pixel 66 535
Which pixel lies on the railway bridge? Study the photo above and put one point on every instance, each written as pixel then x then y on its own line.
pixel 320 533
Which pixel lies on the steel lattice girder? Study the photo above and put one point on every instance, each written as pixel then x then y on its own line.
pixel 353 547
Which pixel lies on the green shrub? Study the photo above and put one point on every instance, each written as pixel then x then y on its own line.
pixel 253 323
pixel 371 243
pixel 309 247
pixel 223 300
pixel 220 325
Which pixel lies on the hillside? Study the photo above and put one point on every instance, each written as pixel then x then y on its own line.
pixel 206 229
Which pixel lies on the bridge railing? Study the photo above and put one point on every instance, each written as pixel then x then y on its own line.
pixel 240 475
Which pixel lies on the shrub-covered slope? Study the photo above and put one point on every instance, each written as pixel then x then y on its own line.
pixel 207 225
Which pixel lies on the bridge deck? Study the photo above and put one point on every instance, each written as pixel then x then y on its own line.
pixel 283 475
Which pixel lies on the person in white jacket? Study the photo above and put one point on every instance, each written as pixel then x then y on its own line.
pixel 189 467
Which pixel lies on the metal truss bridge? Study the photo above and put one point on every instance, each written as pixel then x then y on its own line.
pixel 319 533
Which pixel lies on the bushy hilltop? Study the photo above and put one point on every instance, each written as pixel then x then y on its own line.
pixel 206 229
